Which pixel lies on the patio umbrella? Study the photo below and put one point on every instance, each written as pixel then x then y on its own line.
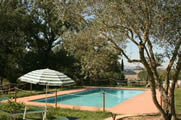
pixel 47 77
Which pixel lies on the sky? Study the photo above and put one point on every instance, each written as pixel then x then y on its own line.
pixel 132 52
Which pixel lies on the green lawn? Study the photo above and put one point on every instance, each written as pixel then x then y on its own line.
pixel 58 112
pixel 178 100
pixel 83 115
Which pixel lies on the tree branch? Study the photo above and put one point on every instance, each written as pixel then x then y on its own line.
pixel 175 78
pixel 151 79
pixel 174 55
pixel 131 37
pixel 171 62
pixel 153 64
pixel 121 50
pixel 125 29
pixel 138 34
pixel 147 53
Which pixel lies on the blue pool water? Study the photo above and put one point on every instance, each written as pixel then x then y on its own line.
pixel 94 97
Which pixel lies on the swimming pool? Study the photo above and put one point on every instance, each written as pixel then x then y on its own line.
pixel 94 97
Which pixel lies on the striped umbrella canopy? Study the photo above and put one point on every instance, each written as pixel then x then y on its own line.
pixel 47 77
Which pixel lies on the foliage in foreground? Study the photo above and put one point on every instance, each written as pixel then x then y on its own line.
pixel 12 106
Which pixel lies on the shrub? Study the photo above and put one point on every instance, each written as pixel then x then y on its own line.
pixel 12 106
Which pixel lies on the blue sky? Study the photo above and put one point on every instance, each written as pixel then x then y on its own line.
pixel 132 52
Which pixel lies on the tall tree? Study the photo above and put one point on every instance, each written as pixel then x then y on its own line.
pixel 98 60
pixel 45 31
pixel 42 31
pixel 148 24
pixel 12 17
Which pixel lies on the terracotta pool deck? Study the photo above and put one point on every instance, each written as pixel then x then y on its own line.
pixel 140 104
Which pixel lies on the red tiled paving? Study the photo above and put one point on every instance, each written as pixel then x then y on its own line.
pixel 139 104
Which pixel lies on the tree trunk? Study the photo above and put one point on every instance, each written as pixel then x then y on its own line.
pixel 172 102
pixel 166 108
pixel 164 115
pixel 169 106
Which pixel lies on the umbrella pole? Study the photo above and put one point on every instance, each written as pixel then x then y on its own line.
pixel 44 117
pixel 31 87
pixel 103 95
pixel 56 98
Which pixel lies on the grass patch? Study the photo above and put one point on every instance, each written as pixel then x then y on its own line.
pixel 59 112
pixel 83 115
pixel 178 100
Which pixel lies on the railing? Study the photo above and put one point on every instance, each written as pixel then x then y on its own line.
pixel 132 83
pixel 7 88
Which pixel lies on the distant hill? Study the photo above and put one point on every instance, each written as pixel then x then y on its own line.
pixel 138 68
pixel 129 72
pixel 132 74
